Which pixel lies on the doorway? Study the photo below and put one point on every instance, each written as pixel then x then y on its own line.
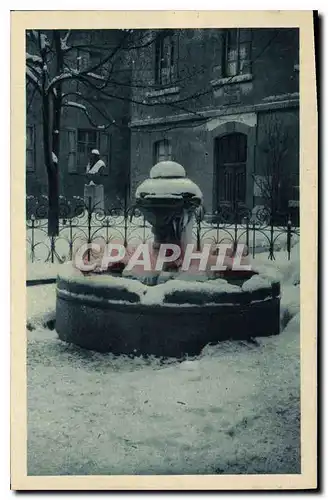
pixel 231 160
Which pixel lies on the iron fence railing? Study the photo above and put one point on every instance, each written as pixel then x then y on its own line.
pixel 81 223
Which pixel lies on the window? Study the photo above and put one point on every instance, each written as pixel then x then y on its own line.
pixel 165 67
pixel 80 143
pixel 87 140
pixel 237 52
pixel 30 148
pixel 162 151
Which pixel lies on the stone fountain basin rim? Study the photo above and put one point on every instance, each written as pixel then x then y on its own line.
pixel 175 308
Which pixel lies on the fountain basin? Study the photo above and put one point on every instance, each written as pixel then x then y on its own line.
pixel 96 315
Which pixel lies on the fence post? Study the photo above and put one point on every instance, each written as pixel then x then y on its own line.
pixel 247 235
pixel 107 231
pixel 32 239
pixel 89 226
pixel 236 219
pixel 126 218
pixel 271 254
pixel 254 238
pixel 289 236
pixel 70 240
pixel 198 230
pixel 52 248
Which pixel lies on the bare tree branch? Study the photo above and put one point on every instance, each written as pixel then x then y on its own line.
pixel 29 104
pixel 81 107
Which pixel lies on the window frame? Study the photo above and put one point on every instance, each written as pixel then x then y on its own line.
pixel 103 139
pixel 159 76
pixel 167 144
pixel 239 59
pixel 87 145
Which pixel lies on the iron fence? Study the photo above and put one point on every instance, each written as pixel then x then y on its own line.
pixel 81 223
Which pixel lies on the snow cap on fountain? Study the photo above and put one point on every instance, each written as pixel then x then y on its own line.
pixel 168 179
pixel 167 169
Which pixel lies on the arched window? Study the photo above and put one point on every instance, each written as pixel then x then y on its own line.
pixel 162 151
pixel 231 158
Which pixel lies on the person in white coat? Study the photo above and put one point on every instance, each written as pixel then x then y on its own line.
pixel 94 191
pixel 94 167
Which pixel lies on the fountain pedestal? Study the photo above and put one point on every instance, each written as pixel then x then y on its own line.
pixel 94 195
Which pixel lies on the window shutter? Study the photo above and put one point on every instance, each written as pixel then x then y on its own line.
pixel 72 146
pixel 104 148
pixel 30 148
pixel 224 48
pixel 157 60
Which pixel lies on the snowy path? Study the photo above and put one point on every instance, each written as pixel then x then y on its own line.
pixel 233 409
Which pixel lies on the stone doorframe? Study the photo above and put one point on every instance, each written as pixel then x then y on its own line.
pixel 231 127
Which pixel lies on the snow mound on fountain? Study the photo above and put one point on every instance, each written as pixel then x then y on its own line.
pixel 189 293
pixel 101 286
pixel 168 188
pixel 167 169
pixel 256 282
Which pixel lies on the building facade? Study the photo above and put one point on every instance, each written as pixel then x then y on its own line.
pixel 224 104
pixel 80 135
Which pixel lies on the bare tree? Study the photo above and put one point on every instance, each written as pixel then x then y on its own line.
pixel 274 181
pixel 51 67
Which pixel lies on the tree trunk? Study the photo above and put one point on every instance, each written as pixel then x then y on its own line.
pixel 52 170
pixel 53 207
pixel 51 137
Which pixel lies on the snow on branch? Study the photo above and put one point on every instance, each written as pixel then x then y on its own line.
pixel 32 58
pixel 74 74
pixel 32 77
pixel 72 104
pixel 44 41
pixel 67 75
pixel 64 40
pixel 96 77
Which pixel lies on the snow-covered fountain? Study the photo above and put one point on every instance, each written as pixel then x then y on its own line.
pixel 168 299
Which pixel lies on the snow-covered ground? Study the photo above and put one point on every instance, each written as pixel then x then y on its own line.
pixel 233 409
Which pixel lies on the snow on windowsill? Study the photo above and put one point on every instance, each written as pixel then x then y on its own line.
pixel 282 97
pixel 163 92
pixel 231 80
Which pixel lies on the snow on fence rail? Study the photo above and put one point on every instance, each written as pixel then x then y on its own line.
pixel 80 223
